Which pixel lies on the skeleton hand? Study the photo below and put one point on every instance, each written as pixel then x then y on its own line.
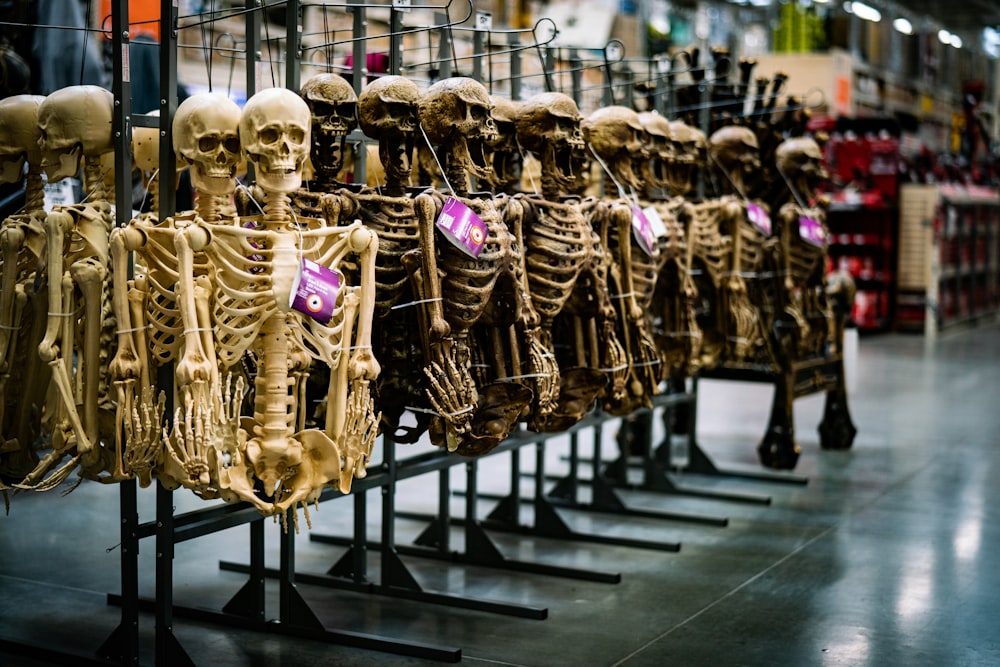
pixel 452 392
pixel 186 460
pixel 359 433
pixel 142 436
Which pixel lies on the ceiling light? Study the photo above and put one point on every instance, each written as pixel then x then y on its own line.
pixel 903 26
pixel 863 11
pixel 956 41
pixel 944 36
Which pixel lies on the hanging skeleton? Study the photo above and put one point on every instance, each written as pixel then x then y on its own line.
pixel 151 332
pixel 726 240
pixel 559 245
pixel 615 136
pixel 24 380
pixel 460 288
pixel 803 320
pixel 256 265
pixel 75 125
pixel 671 300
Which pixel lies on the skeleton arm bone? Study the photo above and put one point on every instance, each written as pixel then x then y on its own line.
pixel 426 211
pixel 57 223
pixel 621 218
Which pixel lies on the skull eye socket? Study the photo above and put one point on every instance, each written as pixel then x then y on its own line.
pixel 398 110
pixel 232 144
pixel 322 109
pixel 478 112
pixel 268 135
pixel 296 135
pixel 208 144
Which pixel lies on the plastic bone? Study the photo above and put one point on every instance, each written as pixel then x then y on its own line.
pixel 22 310
pixel 75 126
pixel 333 106
pixel 459 290
pixel 803 294
pixel 255 264
pixel 559 244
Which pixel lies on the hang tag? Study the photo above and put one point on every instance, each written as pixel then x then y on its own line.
pixel 314 292
pixel 759 217
pixel 642 230
pixel 59 193
pixel 655 221
pixel 462 227
pixel 811 230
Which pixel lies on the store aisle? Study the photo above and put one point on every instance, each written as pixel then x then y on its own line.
pixel 886 557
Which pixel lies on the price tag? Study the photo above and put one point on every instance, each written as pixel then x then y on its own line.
pixel 642 230
pixel 655 221
pixel 314 292
pixel 462 227
pixel 759 217
pixel 484 20
pixel 811 230
pixel 401 5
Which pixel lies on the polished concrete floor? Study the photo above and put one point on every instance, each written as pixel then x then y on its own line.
pixel 887 556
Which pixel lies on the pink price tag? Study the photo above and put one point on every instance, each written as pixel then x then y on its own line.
pixel 315 290
pixel 643 231
pixel 462 227
pixel 811 231
pixel 759 217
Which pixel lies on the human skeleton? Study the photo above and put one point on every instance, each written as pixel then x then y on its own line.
pixel 728 249
pixel 75 125
pixel 671 300
pixel 559 246
pixel 616 137
pixel 460 292
pixel 23 379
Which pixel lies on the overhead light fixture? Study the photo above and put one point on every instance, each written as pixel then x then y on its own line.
pixel 949 38
pixel 991 42
pixel 863 11
pixel 903 26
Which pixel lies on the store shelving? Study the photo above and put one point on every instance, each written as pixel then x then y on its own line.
pixel 949 256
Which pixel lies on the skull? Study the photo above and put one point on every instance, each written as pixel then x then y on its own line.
pixel 274 132
pixel 74 122
pixel 690 147
pixel 504 155
pixel 146 146
pixel 735 150
pixel 334 108
pixel 19 136
pixel 387 112
pixel 617 137
pixel 206 138
pixel 548 125
pixel 801 162
pixel 660 148
pixel 456 115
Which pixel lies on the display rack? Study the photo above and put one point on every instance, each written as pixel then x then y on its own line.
pixel 607 77
pixel 949 262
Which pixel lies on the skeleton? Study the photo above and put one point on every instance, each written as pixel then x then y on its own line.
pixel 24 381
pixel 802 311
pixel 728 251
pixel 255 264
pixel 459 292
pixel 75 125
pixel 672 297
pixel 616 136
pixel 150 326
pixel 504 152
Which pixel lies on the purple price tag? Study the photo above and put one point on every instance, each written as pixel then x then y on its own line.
pixel 811 231
pixel 642 230
pixel 759 217
pixel 314 292
pixel 463 227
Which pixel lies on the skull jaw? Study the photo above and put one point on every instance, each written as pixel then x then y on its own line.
pixel 11 170
pixel 212 185
pixel 280 182
pixel 58 166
